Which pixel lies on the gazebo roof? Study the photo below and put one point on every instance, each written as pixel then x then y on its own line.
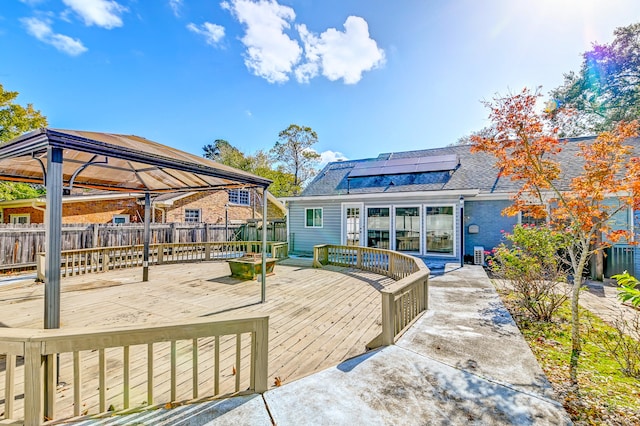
pixel 116 162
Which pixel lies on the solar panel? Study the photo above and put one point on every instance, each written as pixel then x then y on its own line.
pixel 397 166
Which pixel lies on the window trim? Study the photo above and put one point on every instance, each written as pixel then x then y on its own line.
pixel 420 220
pixel 20 215
pixel 126 217
pixel 236 194
pixel 306 223
pixel 199 211
pixel 455 237
pixel 366 223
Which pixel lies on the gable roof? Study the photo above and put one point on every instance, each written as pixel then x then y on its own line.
pixel 475 171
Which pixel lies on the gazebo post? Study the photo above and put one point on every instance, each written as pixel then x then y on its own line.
pixel 53 243
pixel 52 257
pixel 265 193
pixel 147 237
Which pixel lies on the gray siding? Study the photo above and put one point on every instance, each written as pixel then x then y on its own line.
pixel 301 239
pixel 487 215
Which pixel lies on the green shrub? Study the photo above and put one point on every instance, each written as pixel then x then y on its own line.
pixel 531 263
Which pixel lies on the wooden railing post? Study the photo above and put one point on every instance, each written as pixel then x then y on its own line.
pixel 388 318
pixel 9 385
pixel 207 249
pixel 33 389
pixel 425 293
pixel 40 267
pixel 260 372
pixel 160 254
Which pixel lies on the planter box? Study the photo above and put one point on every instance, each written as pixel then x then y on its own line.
pixel 248 268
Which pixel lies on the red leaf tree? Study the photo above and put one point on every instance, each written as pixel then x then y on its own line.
pixel 580 202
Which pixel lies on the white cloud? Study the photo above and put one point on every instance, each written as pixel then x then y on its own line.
pixel 41 29
pixel 331 156
pixel 271 53
pixel 175 5
pixel 103 13
pixel 212 33
pixel 340 55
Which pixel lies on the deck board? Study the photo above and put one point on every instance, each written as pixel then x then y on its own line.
pixel 318 318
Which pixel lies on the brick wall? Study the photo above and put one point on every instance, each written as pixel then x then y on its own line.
pixel 211 205
pixel 212 208
pixel 86 212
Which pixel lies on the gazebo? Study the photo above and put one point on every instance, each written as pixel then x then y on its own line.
pixel 64 159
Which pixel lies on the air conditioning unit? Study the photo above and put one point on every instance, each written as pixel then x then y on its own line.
pixel 478 255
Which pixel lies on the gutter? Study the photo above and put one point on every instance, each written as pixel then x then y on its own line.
pixel 423 194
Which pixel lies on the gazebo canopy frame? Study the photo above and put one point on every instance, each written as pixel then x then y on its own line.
pixel 63 159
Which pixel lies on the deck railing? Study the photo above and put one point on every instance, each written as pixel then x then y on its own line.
pixel 136 367
pixel 403 301
pixel 85 261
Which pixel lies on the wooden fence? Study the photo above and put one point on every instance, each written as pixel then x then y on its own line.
pixel 403 301
pixel 20 244
pixel 135 360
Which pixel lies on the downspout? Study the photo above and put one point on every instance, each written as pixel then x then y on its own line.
pixel 33 205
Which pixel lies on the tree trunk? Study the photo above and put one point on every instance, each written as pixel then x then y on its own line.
pixel 576 344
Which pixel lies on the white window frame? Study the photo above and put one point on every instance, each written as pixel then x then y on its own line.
pixel 421 209
pixel 199 211
pixel 238 196
pixel 366 223
pixel 306 225
pixel 13 217
pixel 125 217
pixel 455 236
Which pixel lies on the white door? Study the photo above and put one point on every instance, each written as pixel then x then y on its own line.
pixel 351 224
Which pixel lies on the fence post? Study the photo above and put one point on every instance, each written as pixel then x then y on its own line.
pixel 174 231
pixel 388 318
pixel 207 246
pixel 160 254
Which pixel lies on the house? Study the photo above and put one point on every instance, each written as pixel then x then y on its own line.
pixel 440 204
pixel 93 206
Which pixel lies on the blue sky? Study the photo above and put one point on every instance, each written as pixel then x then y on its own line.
pixel 369 76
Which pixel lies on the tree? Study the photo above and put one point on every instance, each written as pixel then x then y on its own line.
pixel 526 150
pixel 606 90
pixel 14 121
pixel 294 151
pixel 225 153
pixel 260 164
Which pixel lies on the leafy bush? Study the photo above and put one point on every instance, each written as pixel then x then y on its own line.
pixel 537 274
pixel 628 291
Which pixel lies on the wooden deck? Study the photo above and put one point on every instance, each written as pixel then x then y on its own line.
pixel 318 317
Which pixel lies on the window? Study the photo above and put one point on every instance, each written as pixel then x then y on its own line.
pixel 313 218
pixel 240 196
pixel 408 229
pixel 22 219
pixel 439 225
pixel 192 215
pixel 527 220
pixel 120 218
pixel 378 222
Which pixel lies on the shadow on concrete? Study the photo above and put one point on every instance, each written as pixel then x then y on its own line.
pixel 352 363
